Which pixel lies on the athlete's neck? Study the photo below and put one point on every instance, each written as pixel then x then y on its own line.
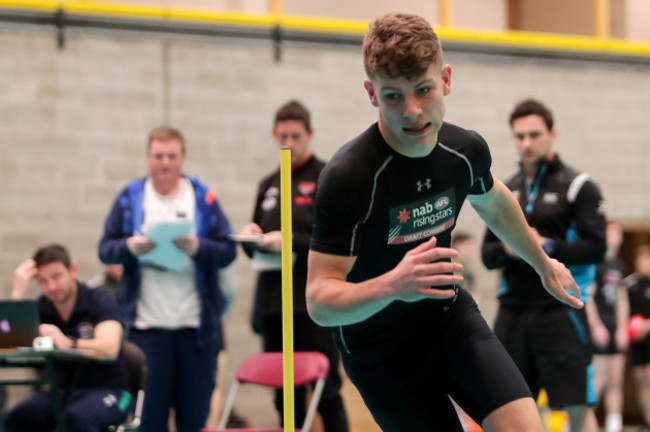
pixel 414 149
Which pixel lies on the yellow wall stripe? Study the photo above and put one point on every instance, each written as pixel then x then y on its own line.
pixel 517 39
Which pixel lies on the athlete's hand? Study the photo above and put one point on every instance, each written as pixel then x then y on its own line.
pixel 560 284
pixel 420 271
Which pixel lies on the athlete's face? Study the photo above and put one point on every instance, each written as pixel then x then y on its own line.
pixel 411 110
pixel 533 140
pixel 292 134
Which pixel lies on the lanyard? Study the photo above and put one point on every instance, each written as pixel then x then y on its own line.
pixel 533 190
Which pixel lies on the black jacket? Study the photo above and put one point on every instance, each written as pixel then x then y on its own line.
pixel 564 205
pixel 268 297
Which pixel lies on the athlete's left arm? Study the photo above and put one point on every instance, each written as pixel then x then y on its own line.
pixel 500 211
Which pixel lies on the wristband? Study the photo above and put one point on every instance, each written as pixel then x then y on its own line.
pixel 74 341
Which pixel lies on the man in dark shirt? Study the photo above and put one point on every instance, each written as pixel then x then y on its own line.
pixel 608 312
pixel 638 290
pixel 549 341
pixel 74 316
pixel 379 265
pixel 292 128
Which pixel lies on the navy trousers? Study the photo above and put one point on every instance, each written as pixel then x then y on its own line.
pixel 181 375
pixel 88 410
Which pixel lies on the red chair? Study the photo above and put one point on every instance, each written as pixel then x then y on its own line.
pixel 265 369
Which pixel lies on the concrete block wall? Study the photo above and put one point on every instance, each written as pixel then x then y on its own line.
pixel 73 124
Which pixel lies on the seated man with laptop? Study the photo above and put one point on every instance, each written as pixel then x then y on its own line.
pixel 74 317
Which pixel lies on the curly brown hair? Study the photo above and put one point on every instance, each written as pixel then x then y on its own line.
pixel 400 45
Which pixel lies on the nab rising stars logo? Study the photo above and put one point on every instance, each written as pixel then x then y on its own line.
pixel 422 219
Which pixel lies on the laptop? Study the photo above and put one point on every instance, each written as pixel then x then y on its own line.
pixel 18 323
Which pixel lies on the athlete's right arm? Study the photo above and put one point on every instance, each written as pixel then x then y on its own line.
pixel 332 301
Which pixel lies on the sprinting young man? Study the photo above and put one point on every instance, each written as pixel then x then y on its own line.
pixel 379 267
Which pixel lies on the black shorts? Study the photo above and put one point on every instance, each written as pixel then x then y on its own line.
pixel 553 350
pixel 406 384
pixel 640 352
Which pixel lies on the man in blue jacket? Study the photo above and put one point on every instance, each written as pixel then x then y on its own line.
pixel 173 315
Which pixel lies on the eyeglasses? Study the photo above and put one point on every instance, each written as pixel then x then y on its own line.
pixel 531 135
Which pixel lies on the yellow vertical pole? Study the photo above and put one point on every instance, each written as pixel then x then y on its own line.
pixel 287 288
pixel 446 13
pixel 602 17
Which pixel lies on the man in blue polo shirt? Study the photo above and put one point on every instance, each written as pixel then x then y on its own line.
pixel 74 316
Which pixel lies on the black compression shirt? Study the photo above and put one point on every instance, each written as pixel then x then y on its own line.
pixel 375 204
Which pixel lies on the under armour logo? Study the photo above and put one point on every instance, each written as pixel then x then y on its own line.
pixel 426 184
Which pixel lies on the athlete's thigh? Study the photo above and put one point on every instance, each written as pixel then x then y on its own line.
pixel 515 416
pixel 482 376
pixel 399 385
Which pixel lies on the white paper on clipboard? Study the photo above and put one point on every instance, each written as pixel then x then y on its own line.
pixel 246 238
pixel 166 254
pixel 263 261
